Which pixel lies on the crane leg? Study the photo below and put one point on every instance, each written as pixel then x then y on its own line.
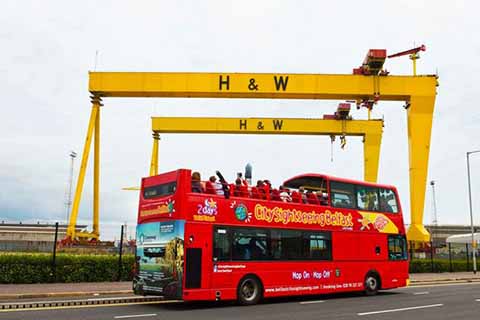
pixel 371 154
pixel 83 168
pixel 419 116
pixel 96 175
pixel 154 161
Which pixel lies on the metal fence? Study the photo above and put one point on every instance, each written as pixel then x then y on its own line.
pixel 438 256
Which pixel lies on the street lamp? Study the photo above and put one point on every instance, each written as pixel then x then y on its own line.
pixel 474 244
pixel 68 196
pixel 435 217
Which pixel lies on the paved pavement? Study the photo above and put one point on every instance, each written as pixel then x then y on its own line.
pixel 41 290
pixel 416 278
pixel 429 302
pixel 22 291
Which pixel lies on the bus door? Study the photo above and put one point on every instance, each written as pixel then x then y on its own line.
pixel 197 255
pixel 222 239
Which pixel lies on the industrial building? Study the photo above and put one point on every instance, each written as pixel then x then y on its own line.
pixel 36 237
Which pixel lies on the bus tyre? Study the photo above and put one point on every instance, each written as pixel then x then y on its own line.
pixel 249 291
pixel 372 284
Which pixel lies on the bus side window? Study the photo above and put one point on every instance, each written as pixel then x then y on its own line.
pixel 221 245
pixel 317 245
pixel 388 201
pixel 250 244
pixel 342 194
pixel 367 198
pixel 397 248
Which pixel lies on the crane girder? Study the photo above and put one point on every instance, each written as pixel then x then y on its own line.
pixel 370 130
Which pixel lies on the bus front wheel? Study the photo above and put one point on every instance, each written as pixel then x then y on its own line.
pixel 249 291
pixel 372 284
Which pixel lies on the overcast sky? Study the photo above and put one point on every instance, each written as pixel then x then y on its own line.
pixel 48 47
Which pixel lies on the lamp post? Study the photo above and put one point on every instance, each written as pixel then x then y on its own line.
pixel 68 196
pixel 474 244
pixel 435 217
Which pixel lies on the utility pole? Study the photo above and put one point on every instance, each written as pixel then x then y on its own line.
pixel 68 193
pixel 434 204
pixel 474 243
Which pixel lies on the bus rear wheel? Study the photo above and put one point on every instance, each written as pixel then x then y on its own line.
pixel 372 284
pixel 249 291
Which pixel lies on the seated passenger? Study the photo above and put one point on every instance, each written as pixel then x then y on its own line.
pixel 261 189
pixel 371 201
pixel 260 184
pixel 267 182
pixel 238 187
pixel 284 194
pixel 267 189
pixel 296 197
pixel 217 185
pixel 256 193
pixel 312 198
pixel 210 185
pixel 275 195
pixel 301 190
pixel 323 198
pixel 385 206
pixel 242 181
pixel 196 183
pixel 219 188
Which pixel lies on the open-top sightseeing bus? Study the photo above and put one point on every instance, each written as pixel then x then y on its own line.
pixel 250 243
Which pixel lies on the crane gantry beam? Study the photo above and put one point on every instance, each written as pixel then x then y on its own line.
pixel 370 130
pixel 418 92
pixel 259 85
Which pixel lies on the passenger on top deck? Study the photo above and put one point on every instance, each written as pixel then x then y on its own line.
pixel 238 187
pixel 217 186
pixel 196 182
pixel 323 196
pixel 301 190
pixel 384 205
pixel 242 181
pixel 267 182
pixel 284 194
pixel 260 184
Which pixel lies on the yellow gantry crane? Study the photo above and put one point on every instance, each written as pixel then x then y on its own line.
pixel 368 85
pixel 370 130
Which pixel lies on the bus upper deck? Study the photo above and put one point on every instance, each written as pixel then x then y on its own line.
pixel 174 195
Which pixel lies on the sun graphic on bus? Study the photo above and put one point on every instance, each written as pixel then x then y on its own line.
pixel 242 214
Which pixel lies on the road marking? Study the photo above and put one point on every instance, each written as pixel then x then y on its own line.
pixel 419 293
pixel 312 302
pixel 401 309
pixel 136 316
pixel 90 306
pixel 478 300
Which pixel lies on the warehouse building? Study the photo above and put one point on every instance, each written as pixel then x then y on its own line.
pixel 36 237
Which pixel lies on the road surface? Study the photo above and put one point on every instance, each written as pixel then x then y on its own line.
pixel 452 301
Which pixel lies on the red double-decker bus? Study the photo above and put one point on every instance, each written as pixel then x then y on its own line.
pixel 318 234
